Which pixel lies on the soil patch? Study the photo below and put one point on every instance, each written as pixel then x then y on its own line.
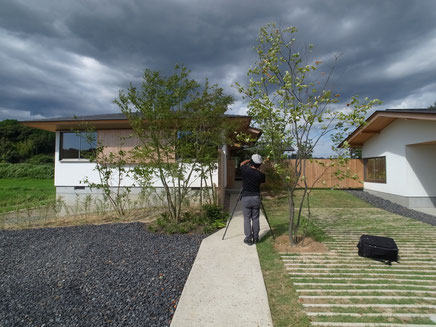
pixel 282 245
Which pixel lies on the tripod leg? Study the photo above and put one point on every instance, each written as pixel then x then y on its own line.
pixel 267 220
pixel 231 216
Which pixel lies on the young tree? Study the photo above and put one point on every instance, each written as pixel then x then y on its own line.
pixel 180 127
pixel 113 170
pixel 290 102
pixel 209 130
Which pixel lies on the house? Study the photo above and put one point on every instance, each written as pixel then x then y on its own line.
pixel 72 167
pixel 399 154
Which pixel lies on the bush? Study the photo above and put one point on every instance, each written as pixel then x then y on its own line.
pixel 26 170
pixel 213 212
pixel 212 219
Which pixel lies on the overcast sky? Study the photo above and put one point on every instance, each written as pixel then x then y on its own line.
pixel 63 57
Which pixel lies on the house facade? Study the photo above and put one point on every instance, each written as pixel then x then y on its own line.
pixel 113 131
pixel 399 154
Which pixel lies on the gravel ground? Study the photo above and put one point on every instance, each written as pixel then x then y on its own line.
pixel 393 207
pixel 107 275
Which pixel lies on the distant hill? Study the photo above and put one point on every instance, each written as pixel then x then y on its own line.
pixel 19 143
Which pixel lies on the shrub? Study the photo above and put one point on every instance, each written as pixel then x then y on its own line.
pixel 213 212
pixel 25 170
pixel 212 218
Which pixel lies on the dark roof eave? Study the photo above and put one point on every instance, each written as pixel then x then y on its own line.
pixel 106 121
pixel 117 116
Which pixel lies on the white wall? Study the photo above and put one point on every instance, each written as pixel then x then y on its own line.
pixel 397 142
pixel 422 161
pixel 73 172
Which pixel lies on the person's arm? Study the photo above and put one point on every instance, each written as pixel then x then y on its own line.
pixel 243 163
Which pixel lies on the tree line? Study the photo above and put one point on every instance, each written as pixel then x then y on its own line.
pixel 20 143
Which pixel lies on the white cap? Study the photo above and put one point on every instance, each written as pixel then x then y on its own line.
pixel 256 158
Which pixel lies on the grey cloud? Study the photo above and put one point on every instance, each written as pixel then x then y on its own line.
pixel 19 17
pixel 73 56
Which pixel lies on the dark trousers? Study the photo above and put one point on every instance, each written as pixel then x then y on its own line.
pixel 251 210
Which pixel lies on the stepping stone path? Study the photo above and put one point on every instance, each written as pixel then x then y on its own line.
pixel 339 288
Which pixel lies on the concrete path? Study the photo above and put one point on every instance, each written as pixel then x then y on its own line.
pixel 225 286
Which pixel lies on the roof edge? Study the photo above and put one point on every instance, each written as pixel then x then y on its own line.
pixel 393 113
pixel 102 117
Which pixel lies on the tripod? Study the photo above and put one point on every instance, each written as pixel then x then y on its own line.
pixel 233 212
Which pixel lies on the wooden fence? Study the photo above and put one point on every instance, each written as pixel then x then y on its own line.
pixel 320 172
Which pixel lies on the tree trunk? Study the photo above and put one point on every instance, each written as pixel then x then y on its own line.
pixel 292 236
pixel 201 190
pixel 307 219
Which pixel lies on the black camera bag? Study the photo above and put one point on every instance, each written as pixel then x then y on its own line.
pixel 378 247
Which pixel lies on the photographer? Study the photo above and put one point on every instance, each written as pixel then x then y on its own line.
pixel 252 177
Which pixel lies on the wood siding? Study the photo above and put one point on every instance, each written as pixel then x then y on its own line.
pixel 115 140
pixel 230 173
pixel 319 172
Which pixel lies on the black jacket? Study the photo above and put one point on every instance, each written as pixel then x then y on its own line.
pixel 251 180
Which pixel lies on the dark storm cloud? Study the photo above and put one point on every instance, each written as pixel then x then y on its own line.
pixel 65 57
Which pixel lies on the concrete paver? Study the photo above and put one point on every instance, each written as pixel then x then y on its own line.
pixel 225 286
pixel 326 283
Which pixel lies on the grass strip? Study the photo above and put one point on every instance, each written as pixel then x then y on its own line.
pixel 282 298
pixel 361 292
pixel 372 301
pixel 372 310
pixel 377 319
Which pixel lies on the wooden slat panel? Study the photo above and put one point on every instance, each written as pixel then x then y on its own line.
pixel 323 176
pixel 230 173
pixel 115 140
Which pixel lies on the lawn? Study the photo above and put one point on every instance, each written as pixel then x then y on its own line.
pixel 16 194
pixel 305 289
pixel 284 305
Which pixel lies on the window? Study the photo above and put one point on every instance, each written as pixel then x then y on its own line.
pixel 375 169
pixel 77 145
